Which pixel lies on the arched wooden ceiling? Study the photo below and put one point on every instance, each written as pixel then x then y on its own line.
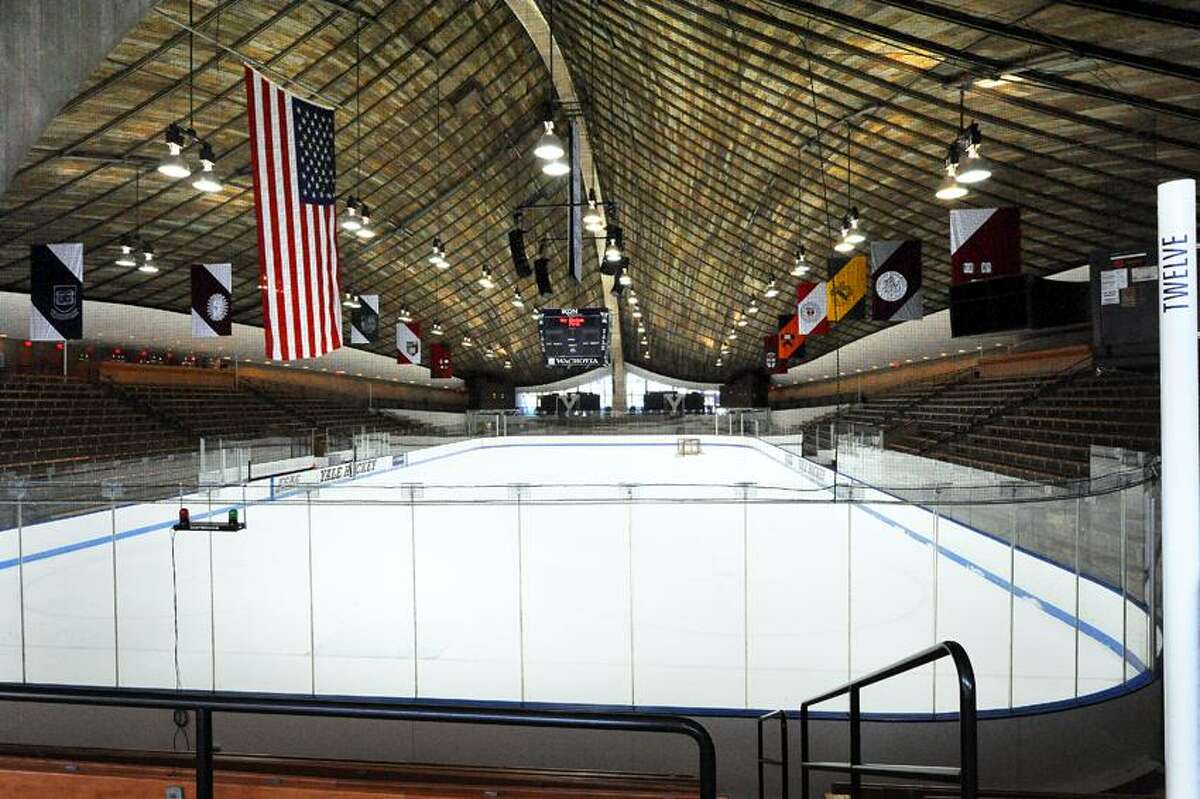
pixel 720 128
pixel 724 126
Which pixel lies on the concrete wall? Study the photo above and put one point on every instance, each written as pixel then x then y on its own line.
pixel 1078 750
pixel 47 49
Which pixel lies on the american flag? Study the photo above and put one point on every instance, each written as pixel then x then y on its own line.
pixel 291 146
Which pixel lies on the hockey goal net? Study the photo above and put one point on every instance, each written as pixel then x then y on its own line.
pixel 687 446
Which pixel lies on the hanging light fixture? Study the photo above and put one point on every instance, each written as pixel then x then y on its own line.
pixel 516 300
pixel 536 313
pixel 950 188
pixel 350 300
pixel 485 279
pixel 556 169
pixel 126 257
pixel 612 249
pixel 975 168
pixel 771 291
pixel 849 230
pixel 854 235
pixel 753 307
pixel 593 221
pixel 173 165
pixel 405 316
pixel 365 231
pixel 437 256
pixel 742 321
pixel 843 244
pixel 351 219
pixel 466 342
pixel 508 364
pixel 641 328
pixel 549 146
pixel 732 335
pixel 207 181
pixel 799 264
pixel 637 314
pixel 437 328
pixel 625 279
pixel 489 353
pixel 148 266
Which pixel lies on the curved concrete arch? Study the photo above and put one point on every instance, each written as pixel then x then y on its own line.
pixel 538 28
pixel 48 48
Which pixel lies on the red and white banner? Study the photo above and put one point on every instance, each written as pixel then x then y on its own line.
pixel 408 342
pixel 291 156
pixel 984 243
pixel 812 308
pixel 441 367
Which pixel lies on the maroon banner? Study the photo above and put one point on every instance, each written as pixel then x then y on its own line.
pixel 984 243
pixel 441 366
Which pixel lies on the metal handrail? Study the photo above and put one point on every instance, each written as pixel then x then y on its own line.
pixel 967 772
pixel 781 761
pixel 205 703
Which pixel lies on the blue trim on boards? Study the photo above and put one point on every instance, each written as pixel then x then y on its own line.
pixel 1047 607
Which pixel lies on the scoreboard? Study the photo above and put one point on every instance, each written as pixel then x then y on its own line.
pixel 574 338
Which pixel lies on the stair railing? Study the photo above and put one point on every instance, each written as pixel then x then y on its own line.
pixel 966 774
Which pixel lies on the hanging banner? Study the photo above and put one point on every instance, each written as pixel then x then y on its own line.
pixel 984 243
pixel 847 288
pixel 408 342
pixel 56 292
pixel 364 320
pixel 212 300
pixel 811 305
pixel 896 281
pixel 441 366
pixel 789 342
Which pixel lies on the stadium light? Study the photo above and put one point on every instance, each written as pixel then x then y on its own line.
pixel 853 234
pixel 351 221
pixel 207 181
pixel 517 302
pixel 148 266
pixel 975 168
pixel 485 279
pixel 556 168
pixel 772 291
pixel 173 165
pixel 799 266
pixel 126 257
pixel 549 146
pixel 844 244
pixel 365 231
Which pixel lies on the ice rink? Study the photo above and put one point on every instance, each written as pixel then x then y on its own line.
pixel 607 571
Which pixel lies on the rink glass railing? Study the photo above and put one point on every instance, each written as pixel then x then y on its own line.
pixel 1078 556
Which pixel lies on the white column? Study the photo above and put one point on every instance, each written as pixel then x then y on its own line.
pixel 1180 483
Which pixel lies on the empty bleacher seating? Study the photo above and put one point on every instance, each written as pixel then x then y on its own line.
pixel 52 420
pixel 1038 428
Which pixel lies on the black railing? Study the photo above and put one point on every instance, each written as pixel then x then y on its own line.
pixel 781 761
pixel 967 772
pixel 204 704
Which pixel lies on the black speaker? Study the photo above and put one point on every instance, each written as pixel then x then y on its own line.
pixel 989 306
pixel 541 270
pixel 1058 303
pixel 516 246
